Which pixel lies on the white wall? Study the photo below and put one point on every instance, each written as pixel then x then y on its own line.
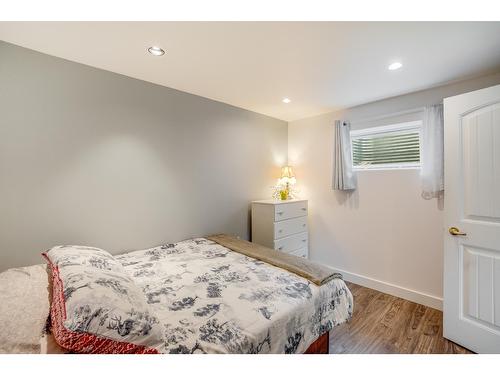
pixel 96 158
pixel 384 235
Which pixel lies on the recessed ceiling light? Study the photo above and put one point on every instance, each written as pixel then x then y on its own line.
pixel 156 51
pixel 395 66
pixel 286 100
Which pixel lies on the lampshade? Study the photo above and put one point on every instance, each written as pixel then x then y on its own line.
pixel 287 172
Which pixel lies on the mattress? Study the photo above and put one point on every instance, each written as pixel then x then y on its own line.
pixel 208 299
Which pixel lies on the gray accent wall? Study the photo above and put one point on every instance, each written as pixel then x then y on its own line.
pixel 95 158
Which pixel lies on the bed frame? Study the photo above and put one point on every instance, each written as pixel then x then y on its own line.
pixel 320 346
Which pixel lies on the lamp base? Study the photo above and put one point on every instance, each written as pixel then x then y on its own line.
pixel 284 195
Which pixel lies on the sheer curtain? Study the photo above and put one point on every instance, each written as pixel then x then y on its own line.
pixel 344 177
pixel 432 152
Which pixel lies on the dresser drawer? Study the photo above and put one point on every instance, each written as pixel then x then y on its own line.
pixel 291 226
pixel 286 211
pixel 301 253
pixel 291 243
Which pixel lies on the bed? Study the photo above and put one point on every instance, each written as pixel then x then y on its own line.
pixel 202 297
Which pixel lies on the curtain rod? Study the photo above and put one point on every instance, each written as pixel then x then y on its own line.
pixel 394 114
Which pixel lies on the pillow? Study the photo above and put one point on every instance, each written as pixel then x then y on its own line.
pixel 96 307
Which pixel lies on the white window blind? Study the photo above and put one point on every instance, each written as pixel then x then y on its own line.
pixel 392 146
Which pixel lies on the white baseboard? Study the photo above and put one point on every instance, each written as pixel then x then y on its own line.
pixel 395 290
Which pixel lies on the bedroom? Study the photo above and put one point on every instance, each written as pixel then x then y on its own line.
pixel 249 187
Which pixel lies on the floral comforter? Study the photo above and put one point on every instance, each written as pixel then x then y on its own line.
pixel 210 299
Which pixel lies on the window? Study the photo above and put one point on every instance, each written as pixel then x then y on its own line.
pixel 383 147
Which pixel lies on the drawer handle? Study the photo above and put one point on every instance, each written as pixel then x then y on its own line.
pixel 304 209
pixel 303 225
pixel 280 213
pixel 304 240
pixel 280 248
pixel 281 230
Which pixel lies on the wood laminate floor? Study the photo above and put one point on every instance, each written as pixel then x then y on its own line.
pixel 382 323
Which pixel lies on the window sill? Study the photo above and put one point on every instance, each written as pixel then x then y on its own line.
pixel 384 169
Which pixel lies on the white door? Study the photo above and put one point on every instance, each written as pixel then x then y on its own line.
pixel 472 206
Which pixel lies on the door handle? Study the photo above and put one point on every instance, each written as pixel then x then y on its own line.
pixel 454 231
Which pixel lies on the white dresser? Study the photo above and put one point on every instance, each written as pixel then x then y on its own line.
pixel 281 225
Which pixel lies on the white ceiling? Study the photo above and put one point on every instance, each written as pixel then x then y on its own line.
pixel 320 66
